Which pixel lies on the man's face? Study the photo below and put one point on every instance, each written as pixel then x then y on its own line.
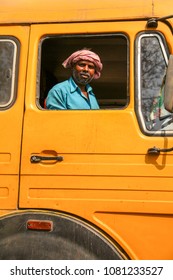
pixel 83 72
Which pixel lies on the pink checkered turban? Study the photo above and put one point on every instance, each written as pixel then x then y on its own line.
pixel 84 55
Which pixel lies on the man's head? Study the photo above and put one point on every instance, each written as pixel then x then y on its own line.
pixel 85 64
pixel 83 72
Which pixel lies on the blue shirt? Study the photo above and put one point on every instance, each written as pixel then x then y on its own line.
pixel 67 95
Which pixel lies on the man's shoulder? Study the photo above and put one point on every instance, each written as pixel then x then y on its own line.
pixel 61 85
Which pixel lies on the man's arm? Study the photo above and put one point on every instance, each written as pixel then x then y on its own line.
pixel 55 100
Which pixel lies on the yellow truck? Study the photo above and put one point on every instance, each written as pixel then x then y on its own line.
pixel 86 184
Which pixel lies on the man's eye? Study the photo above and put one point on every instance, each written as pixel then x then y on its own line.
pixel 81 65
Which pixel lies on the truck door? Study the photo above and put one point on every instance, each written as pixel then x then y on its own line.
pixel 13 56
pixel 79 148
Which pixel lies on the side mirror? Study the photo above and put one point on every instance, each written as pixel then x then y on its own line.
pixel 168 92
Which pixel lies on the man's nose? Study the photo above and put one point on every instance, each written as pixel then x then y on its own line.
pixel 85 68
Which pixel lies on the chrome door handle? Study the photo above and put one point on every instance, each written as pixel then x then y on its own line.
pixel 37 159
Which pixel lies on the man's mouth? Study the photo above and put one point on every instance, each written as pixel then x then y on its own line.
pixel 85 75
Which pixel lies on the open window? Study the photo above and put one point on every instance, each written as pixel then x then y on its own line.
pixel 111 89
pixel 151 67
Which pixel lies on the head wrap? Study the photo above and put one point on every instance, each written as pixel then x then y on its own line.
pixel 84 55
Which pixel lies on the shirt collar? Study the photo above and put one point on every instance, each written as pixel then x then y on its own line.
pixel 74 86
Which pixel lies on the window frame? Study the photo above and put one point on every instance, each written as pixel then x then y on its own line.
pixel 138 92
pixel 80 36
pixel 14 70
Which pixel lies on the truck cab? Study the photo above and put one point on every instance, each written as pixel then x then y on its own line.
pixel 104 174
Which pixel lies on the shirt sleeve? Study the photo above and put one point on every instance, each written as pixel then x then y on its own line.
pixel 55 100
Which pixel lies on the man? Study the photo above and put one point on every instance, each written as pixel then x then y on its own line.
pixel 76 93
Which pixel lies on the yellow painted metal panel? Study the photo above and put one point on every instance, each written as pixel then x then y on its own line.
pixel 98 193
pixel 9 191
pixel 133 211
pixel 66 11
pixel 11 126
pixel 145 237
pixel 62 11
pixel 11 119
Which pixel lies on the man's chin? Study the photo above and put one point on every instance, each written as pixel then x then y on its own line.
pixel 85 81
pixel 82 80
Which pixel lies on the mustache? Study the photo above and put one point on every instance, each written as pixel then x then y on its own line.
pixel 85 73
